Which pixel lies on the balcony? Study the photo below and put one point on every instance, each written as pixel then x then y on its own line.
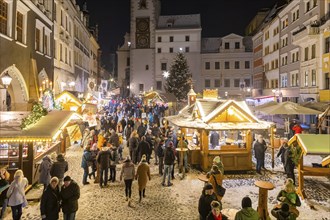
pixel 305 33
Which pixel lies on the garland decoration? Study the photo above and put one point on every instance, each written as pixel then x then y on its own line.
pixel 37 112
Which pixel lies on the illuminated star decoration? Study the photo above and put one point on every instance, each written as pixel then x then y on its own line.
pixel 166 74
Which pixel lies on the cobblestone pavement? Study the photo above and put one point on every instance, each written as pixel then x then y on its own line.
pixel 180 201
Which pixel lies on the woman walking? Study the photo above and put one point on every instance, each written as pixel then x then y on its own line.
pixel 16 194
pixel 50 201
pixel 44 171
pixel 142 176
pixel 127 173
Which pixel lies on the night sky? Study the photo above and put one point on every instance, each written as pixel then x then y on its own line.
pixel 219 17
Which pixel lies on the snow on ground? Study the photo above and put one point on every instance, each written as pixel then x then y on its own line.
pixel 180 201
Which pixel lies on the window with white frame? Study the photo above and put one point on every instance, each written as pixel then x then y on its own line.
pixel 284 80
pixel 38 40
pixel 207 65
pixel 6 17
pixel 313 51
pixel 47 41
pixel 306 79
pixel 313 77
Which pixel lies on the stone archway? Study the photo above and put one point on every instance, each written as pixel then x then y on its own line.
pixel 18 89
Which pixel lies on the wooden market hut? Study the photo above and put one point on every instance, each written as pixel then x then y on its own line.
pixel 231 120
pixel 162 98
pixel 24 149
pixel 311 144
pixel 68 101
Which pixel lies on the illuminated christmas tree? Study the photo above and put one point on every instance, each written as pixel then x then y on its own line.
pixel 179 78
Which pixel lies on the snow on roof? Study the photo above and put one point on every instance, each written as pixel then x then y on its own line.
pixel 179 21
pixel 211 108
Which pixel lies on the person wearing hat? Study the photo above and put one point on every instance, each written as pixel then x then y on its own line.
pixel 50 201
pixel 142 176
pixel 215 212
pixel 44 171
pixel 59 167
pixel 215 178
pixel 127 173
pixel 204 204
pixel 70 194
pixel 247 212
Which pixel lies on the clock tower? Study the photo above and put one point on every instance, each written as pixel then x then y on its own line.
pixel 144 17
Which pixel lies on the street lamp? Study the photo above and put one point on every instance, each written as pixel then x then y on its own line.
pixel 6 80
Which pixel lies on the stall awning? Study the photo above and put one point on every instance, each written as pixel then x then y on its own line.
pixel 47 128
pixel 313 143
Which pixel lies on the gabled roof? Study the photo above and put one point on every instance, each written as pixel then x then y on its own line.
pixel 208 110
pixel 179 21
pixel 232 36
pixel 68 97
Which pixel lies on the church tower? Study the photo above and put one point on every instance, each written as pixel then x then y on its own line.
pixel 144 17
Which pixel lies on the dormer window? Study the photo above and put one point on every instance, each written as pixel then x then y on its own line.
pixel 226 45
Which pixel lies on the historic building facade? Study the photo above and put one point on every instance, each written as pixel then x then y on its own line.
pixel 26 39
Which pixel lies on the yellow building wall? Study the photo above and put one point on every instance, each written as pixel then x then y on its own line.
pixel 324 95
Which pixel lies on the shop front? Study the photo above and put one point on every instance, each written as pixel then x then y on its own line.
pixel 222 128
pixel 24 149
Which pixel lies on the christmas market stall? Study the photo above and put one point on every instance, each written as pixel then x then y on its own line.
pixel 168 100
pixel 216 127
pixel 68 101
pixel 310 144
pixel 24 148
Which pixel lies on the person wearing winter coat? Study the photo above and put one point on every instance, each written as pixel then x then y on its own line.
pixel 142 176
pixel 143 148
pixel 4 181
pixel 59 167
pixel 204 203
pixel 283 213
pixel 160 154
pixel 247 212
pixel 114 139
pixel 133 144
pixel 127 173
pixel 86 158
pixel 103 159
pixel 50 201
pixel 215 177
pixel 70 194
pixel 127 132
pixel 282 152
pixel 100 139
pixel 44 171
pixel 16 194
pixel 215 212
pixel 142 130
pixel 169 158
pixel 260 147
pixel 114 158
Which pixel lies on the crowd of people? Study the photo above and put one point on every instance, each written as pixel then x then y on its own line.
pixel 140 128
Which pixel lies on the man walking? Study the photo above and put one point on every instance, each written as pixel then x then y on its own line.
pixel 260 147
pixel 169 158
pixel 103 159
pixel 70 194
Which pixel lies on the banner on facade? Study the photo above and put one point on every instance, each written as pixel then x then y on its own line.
pixel 91 85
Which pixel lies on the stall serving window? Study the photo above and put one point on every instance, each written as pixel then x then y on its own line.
pixel 9 154
pixel 222 139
